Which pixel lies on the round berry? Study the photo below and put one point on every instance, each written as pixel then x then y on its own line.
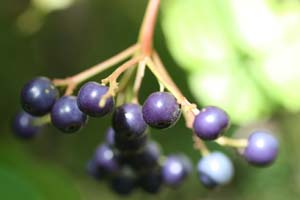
pixel 106 158
pixel 262 148
pixel 128 121
pixel 38 96
pixel 66 116
pixel 110 136
pixel 23 125
pixel 210 123
pixel 124 182
pixel 161 110
pixel 215 169
pixel 147 159
pixel 89 97
pixel 174 171
pixel 126 145
pixel 151 181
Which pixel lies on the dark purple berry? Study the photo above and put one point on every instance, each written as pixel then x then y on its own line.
pixel 207 181
pixel 38 96
pixel 174 171
pixel 66 116
pixel 23 125
pixel 161 110
pixel 262 148
pixel 89 97
pixel 151 181
pixel 106 158
pixel 110 136
pixel 128 121
pixel 124 182
pixel 210 123
pixel 126 145
pixel 147 159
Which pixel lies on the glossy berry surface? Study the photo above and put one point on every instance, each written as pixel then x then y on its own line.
pixel 38 96
pixel 128 121
pixel 89 97
pixel 106 158
pixel 161 110
pixel 174 171
pixel 210 123
pixel 262 148
pixel 23 125
pixel 215 169
pixel 66 116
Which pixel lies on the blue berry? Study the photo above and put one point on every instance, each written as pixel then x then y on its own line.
pixel 66 116
pixel 23 125
pixel 174 171
pixel 128 121
pixel 210 123
pixel 215 169
pixel 262 148
pixel 89 97
pixel 107 159
pixel 110 136
pixel 151 181
pixel 124 182
pixel 38 96
pixel 161 110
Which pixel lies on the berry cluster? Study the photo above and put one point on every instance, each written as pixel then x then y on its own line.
pixel 129 158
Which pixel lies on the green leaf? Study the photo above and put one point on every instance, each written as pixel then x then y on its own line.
pixel 239 54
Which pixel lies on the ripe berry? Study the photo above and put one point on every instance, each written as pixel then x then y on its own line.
pixel 106 158
pixel 38 96
pixel 174 171
pixel 23 125
pixel 124 182
pixel 147 159
pixel 89 97
pixel 262 148
pixel 215 169
pixel 210 123
pixel 151 181
pixel 126 145
pixel 161 110
pixel 128 121
pixel 66 116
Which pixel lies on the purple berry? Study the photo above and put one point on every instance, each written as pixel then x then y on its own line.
pixel 24 127
pixel 210 123
pixel 106 158
pixel 124 182
pixel 174 171
pixel 126 145
pixel 215 169
pixel 161 110
pixel 38 96
pixel 66 116
pixel 262 148
pixel 89 97
pixel 151 181
pixel 94 170
pixel 128 121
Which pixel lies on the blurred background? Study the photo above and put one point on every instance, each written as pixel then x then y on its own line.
pixel 242 55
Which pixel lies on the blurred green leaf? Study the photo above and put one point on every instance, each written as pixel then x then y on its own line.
pixel 240 54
